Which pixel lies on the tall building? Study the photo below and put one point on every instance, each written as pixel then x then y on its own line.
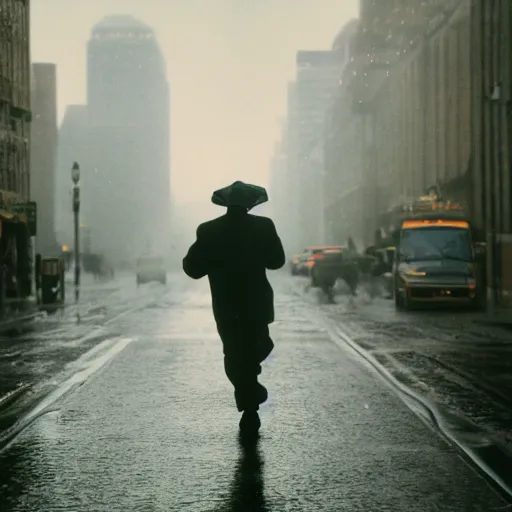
pixel 43 148
pixel 317 80
pixel 15 116
pixel 126 175
pixel 278 190
pixel 343 151
pixel 290 191
pixel 73 145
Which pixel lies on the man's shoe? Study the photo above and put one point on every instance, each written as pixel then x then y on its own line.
pixel 250 422
pixel 244 404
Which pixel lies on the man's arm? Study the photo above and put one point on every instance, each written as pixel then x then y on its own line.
pixel 195 263
pixel 274 257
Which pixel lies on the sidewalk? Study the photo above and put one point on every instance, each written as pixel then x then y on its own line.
pixel 23 311
pixel 34 359
pixel 36 345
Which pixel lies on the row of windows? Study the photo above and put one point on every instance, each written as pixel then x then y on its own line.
pixel 14 167
pixel 14 52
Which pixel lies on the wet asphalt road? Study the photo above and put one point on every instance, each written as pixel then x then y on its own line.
pixel 155 429
pixel 441 353
pixel 37 355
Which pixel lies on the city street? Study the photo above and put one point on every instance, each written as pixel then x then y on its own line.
pixel 142 417
pixel 447 355
pixel 37 355
pixel 364 144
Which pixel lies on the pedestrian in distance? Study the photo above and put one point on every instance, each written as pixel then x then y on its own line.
pixel 235 250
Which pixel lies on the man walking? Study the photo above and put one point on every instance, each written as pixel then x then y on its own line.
pixel 234 251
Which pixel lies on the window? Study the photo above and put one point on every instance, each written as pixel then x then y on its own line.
pixel 421 244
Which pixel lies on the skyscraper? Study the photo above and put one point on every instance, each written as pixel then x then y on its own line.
pixel 317 81
pixel 43 147
pixel 73 146
pixel 126 178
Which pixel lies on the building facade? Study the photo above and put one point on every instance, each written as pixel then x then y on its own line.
pixel 126 175
pixel 15 117
pixel 411 68
pixel 279 205
pixel 343 184
pixel 430 92
pixel 317 80
pixel 43 153
pixel 15 96
pixel 290 148
pixel 491 140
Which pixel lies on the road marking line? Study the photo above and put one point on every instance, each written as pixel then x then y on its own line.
pixel 8 398
pixel 67 387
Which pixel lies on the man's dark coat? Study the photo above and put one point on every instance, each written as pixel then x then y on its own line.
pixel 234 251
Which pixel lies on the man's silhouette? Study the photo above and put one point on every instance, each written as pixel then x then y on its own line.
pixel 234 251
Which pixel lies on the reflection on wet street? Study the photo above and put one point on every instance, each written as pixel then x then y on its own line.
pixel 149 424
pixel 247 488
pixel 442 353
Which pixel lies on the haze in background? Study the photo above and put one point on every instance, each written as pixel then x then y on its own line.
pixel 228 63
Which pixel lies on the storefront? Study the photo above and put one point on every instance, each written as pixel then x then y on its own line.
pixel 14 255
pixel 17 226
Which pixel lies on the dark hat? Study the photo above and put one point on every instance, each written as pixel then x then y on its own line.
pixel 240 194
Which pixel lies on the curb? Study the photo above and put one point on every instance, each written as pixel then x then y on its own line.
pixel 478 457
pixel 496 323
pixel 12 396
pixel 48 403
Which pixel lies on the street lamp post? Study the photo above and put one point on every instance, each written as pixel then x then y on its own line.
pixel 75 176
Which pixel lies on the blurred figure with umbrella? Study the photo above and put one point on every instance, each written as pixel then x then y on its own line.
pixel 234 251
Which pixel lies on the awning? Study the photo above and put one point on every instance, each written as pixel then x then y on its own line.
pixel 10 216
pixel 6 215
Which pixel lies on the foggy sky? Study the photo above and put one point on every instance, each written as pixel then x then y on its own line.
pixel 228 62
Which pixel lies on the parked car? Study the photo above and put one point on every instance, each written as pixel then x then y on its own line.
pixel 335 263
pixel 151 269
pixel 311 255
pixel 294 262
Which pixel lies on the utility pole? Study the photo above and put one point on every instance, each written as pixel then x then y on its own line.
pixel 75 176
